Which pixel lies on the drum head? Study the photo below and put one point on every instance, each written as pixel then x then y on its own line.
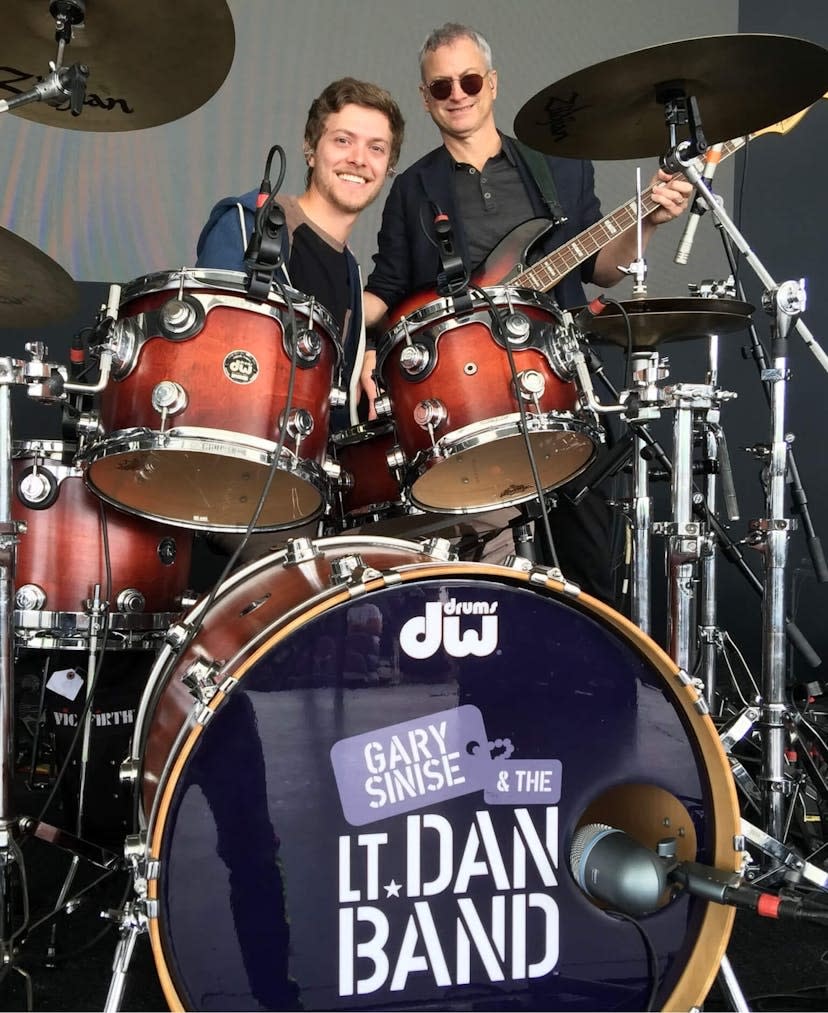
pixel 380 813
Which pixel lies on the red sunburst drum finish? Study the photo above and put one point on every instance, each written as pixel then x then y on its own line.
pixel 460 413
pixel 201 388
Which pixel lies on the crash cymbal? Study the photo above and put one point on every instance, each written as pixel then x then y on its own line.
pixel 34 289
pixel 149 62
pixel 615 109
pixel 654 321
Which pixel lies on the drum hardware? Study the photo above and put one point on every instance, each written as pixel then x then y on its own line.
pixel 147 67
pixel 64 84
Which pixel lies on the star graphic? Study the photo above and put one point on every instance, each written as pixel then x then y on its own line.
pixel 392 889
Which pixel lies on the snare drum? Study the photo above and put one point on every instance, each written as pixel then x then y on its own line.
pixel 402 839
pixel 456 405
pixel 74 543
pixel 191 419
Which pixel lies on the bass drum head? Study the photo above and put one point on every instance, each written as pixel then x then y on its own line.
pixel 380 814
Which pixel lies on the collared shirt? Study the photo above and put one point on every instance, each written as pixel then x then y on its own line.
pixel 490 203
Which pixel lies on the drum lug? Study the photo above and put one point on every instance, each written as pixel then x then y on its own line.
pixel 518 327
pixel 179 319
pixel 199 678
pixel 298 425
pixel 395 458
pixel 29 597
pixel 169 398
pixel 337 397
pixel 414 359
pixel 531 386
pixel 430 413
pixel 130 600
pixel 300 550
pixel 383 406
pixel 176 636
pixel 308 346
pixel 352 570
pixel 440 548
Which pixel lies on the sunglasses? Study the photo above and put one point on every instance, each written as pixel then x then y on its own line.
pixel 440 88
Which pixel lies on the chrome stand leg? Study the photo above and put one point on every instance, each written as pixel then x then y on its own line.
pixel 730 986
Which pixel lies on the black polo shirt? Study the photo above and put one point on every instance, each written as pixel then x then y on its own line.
pixel 490 203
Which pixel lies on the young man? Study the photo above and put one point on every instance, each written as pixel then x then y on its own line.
pixel 488 184
pixel 353 135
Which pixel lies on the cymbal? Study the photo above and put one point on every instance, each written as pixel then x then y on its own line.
pixel 742 83
pixel 149 63
pixel 34 289
pixel 654 321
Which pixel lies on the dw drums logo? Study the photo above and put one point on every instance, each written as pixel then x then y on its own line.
pixel 422 636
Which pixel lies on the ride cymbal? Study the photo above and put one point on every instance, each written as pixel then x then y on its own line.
pixel 615 109
pixel 653 321
pixel 149 63
pixel 34 289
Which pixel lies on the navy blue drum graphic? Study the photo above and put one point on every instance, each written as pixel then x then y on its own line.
pixel 361 769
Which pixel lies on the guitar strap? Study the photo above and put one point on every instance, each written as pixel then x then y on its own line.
pixel 539 169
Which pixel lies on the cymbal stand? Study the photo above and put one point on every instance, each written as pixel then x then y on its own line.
pixel 784 303
pixel 12 371
pixel 45 382
pixel 643 406
pixel 717 468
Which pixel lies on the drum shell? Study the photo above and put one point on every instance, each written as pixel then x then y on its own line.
pixel 63 549
pixel 232 630
pixel 374 490
pixel 214 400
pixel 471 378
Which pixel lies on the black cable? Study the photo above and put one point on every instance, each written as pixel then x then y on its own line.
pixel 652 956
pixel 497 325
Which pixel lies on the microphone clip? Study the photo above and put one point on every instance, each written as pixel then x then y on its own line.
pixel 263 255
pixel 452 278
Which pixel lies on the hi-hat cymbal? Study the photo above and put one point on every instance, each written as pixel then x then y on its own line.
pixel 149 62
pixel 34 289
pixel 615 109
pixel 653 321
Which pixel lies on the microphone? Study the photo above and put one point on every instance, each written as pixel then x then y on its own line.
pixel 592 309
pixel 452 277
pixel 698 207
pixel 613 867
pixel 77 357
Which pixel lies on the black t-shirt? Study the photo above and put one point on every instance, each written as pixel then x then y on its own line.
pixel 317 269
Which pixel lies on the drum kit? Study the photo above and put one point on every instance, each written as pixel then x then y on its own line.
pixel 371 751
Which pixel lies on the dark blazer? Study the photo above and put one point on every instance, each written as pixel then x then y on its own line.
pixel 408 260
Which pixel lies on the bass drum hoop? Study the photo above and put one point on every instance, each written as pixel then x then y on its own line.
pixel 716 923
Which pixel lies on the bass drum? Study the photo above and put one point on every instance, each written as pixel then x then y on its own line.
pixel 373 801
